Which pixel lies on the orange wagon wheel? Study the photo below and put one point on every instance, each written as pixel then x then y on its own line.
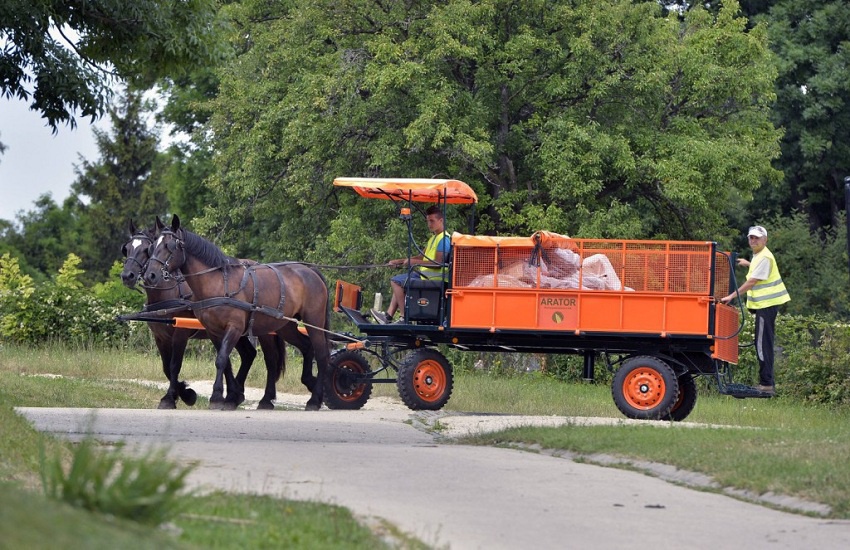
pixel 344 389
pixel 425 380
pixel 645 388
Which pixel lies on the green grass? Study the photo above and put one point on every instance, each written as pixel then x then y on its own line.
pixel 28 520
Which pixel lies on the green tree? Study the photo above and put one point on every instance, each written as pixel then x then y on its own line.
pixel 601 118
pixel 42 237
pixel 813 265
pixel 125 183
pixel 811 39
pixel 190 160
pixel 62 56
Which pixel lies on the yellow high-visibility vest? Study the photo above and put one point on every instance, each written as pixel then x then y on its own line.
pixel 771 291
pixel 431 254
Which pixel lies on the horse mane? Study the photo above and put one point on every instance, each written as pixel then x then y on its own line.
pixel 205 251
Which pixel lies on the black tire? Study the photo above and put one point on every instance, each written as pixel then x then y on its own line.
pixel 425 380
pixel 645 388
pixel 342 390
pixel 686 401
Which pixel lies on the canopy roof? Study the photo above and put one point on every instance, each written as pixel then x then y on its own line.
pixel 411 189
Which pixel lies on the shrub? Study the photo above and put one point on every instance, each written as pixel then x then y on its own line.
pixel 61 309
pixel 812 358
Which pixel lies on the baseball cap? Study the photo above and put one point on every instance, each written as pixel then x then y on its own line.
pixel 757 231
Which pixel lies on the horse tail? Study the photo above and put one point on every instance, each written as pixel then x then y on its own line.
pixel 280 346
pixel 321 275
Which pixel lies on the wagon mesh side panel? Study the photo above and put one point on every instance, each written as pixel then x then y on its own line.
pixel 727 321
pixel 642 266
pixel 649 267
pixel 514 269
pixel 474 266
pixel 722 279
pixel 689 268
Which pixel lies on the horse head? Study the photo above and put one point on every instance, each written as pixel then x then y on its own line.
pixel 136 252
pixel 167 255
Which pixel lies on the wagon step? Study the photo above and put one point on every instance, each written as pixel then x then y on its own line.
pixel 742 391
pixel 355 316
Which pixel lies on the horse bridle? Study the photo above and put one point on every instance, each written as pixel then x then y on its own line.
pixel 166 274
pixel 142 266
pixel 178 277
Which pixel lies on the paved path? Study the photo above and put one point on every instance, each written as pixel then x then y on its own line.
pixel 379 463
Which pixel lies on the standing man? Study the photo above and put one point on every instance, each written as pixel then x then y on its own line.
pixel 430 264
pixel 765 293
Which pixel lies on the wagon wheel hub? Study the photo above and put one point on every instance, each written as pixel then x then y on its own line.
pixel 429 380
pixel 644 388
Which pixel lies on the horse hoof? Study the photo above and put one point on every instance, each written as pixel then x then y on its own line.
pixel 189 396
pixel 166 404
pixel 265 406
pixel 228 406
pixel 216 405
pixel 312 407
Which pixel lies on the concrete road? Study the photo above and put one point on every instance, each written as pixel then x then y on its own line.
pixel 382 463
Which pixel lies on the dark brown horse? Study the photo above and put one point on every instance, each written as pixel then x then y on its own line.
pixel 233 299
pixel 171 342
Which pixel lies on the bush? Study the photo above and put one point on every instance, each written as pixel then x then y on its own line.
pixel 816 365
pixel 812 358
pixel 62 309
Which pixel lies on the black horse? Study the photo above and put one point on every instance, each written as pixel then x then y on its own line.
pixel 234 299
pixel 171 342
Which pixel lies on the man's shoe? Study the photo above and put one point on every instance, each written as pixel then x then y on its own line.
pixel 766 389
pixel 379 316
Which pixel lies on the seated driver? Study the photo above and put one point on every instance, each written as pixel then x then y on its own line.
pixel 436 250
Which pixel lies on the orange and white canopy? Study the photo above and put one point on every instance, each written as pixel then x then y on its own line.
pixel 411 189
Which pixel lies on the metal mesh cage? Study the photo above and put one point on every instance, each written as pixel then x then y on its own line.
pixel 642 266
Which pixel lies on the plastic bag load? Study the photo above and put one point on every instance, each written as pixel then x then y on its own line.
pixel 599 266
pixel 562 262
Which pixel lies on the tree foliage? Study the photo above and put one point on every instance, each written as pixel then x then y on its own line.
pixel 604 118
pixel 812 41
pixel 61 56
pixel 43 236
pixel 125 183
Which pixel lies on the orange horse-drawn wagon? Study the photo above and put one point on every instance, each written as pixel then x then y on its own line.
pixel 650 308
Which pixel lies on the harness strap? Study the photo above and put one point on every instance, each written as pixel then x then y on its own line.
pixel 170 305
pixel 239 304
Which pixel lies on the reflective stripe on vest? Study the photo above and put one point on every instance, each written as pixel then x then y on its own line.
pixel 771 291
pixel 431 250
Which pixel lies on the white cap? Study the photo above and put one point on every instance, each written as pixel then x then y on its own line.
pixel 757 231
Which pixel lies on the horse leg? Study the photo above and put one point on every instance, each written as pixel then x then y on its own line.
pixel 163 344
pixel 217 396
pixel 274 353
pixel 179 340
pixel 247 354
pixel 235 392
pixel 292 335
pixel 322 353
